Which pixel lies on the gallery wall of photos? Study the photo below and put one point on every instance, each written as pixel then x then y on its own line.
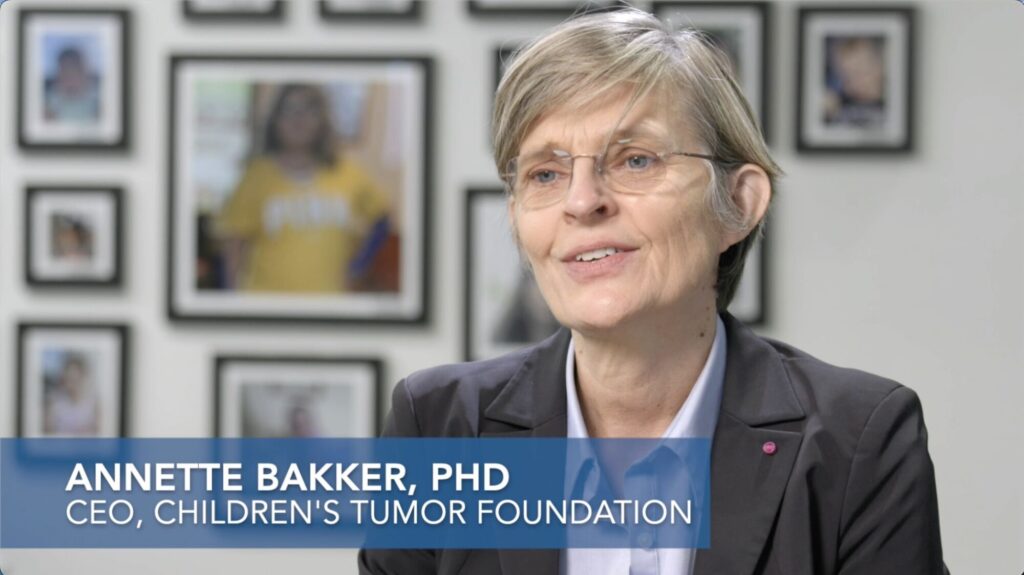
pixel 163 285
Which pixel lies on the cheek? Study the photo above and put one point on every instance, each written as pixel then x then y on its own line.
pixel 691 240
pixel 533 237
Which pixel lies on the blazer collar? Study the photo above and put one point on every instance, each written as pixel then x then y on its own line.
pixel 747 480
pixel 746 483
pixel 535 396
pixel 756 390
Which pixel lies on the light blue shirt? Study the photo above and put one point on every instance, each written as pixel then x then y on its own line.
pixel 696 418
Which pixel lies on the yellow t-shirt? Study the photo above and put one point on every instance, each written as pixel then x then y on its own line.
pixel 301 236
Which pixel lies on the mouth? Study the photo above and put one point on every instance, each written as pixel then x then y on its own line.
pixel 598 261
pixel 596 251
pixel 598 254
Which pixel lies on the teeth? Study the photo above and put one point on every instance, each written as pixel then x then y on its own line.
pixel 596 254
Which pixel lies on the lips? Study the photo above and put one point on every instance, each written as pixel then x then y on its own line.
pixel 596 261
pixel 596 251
pixel 597 254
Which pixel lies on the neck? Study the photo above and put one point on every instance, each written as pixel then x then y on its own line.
pixel 299 159
pixel 632 382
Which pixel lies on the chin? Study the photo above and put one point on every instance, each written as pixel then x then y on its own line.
pixel 597 316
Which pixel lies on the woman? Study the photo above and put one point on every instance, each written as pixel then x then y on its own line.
pixel 638 181
pixel 302 219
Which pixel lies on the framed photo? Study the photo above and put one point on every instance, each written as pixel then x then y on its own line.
pixel 362 10
pixel 233 10
pixel 72 79
pixel 855 75
pixel 557 8
pixel 73 236
pixel 72 379
pixel 299 188
pixel 741 30
pixel 504 308
pixel 750 302
pixel 296 396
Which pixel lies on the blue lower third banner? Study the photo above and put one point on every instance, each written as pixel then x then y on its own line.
pixel 374 493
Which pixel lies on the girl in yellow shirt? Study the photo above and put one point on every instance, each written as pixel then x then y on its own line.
pixel 302 219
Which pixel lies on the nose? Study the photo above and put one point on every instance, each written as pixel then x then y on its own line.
pixel 587 197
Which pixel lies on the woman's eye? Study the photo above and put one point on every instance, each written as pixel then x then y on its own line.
pixel 543 176
pixel 639 162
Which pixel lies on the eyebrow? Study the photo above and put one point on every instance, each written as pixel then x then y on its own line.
pixel 622 135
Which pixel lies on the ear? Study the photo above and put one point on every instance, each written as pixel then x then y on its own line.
pixel 751 191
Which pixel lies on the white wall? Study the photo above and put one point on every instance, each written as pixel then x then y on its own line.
pixel 910 267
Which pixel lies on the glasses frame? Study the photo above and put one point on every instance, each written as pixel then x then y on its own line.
pixel 510 178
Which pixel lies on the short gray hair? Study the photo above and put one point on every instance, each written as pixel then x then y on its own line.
pixel 589 57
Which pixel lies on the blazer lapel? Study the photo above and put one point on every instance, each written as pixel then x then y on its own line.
pixel 747 478
pixel 746 483
pixel 532 404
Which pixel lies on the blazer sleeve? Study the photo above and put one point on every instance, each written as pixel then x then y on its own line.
pixel 400 422
pixel 890 516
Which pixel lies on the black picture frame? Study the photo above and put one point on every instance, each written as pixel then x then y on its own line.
pixel 27 366
pixel 373 366
pixel 889 123
pixel 77 276
pixel 413 13
pixel 501 56
pixel 274 14
pixel 415 246
pixel 751 302
pixel 754 77
pixel 113 120
pixel 495 319
pixel 544 8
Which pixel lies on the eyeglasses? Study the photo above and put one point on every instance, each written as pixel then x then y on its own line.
pixel 543 178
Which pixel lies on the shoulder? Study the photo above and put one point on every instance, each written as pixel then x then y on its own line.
pixel 769 382
pixel 258 169
pixel 826 382
pixel 449 400
pixel 348 172
pixel 345 166
pixel 845 406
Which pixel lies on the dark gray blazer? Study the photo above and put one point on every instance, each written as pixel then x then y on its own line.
pixel 850 489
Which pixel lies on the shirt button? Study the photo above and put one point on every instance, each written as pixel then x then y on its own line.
pixel 645 540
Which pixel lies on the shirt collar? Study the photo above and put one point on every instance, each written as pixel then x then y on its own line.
pixel 697 416
pixel 699 413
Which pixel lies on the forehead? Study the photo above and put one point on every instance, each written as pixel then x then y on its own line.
pixel 580 128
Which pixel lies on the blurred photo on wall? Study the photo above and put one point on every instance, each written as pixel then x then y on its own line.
pixel 72 79
pixel 299 189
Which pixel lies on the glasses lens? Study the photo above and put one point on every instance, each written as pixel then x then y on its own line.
pixel 539 180
pixel 633 170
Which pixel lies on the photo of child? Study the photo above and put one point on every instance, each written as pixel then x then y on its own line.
pixel 299 188
pixel 303 217
pixel 72 79
pixel 71 402
pixel 855 80
pixel 71 237
pixel 275 409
